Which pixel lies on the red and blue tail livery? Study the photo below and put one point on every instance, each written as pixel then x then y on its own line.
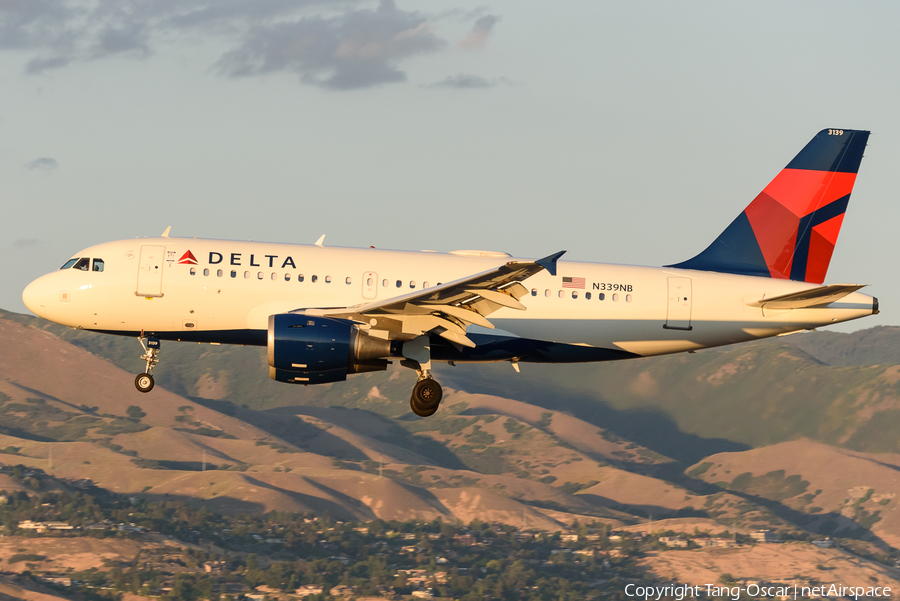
pixel 790 229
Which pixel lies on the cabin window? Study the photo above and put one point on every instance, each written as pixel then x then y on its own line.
pixel 327 279
pixel 369 282
pixel 259 275
pixel 274 276
pixel 349 281
pixel 246 275
pixel 206 272
pixel 587 295
pixel 300 278
pixel 425 285
pixel 193 271
pixel 574 294
pixel 412 284
pixel 218 273
pixel 399 284
pixel 547 293
pixel 385 283
pixel 69 263
pixel 98 265
pixel 562 293
pixel 83 264
pixel 314 279
pixel 287 277
pixel 233 273
pixel 627 298
pixel 601 296
pixel 534 292
pixel 615 297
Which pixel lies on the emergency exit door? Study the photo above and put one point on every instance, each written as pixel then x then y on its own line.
pixel 370 285
pixel 678 316
pixel 150 271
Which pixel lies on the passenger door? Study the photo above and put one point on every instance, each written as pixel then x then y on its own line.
pixel 150 271
pixel 678 316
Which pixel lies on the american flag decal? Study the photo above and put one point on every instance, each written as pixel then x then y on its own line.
pixel 573 283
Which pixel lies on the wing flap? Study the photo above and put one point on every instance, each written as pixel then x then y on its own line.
pixel 448 308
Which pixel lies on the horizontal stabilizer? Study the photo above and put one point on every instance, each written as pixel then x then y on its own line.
pixel 814 297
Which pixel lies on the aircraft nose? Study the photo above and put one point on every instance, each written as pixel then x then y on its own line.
pixel 36 296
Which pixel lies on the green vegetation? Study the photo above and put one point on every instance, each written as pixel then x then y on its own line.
pixel 545 420
pixel 773 486
pixel 207 432
pixel 135 412
pixel 25 557
pixel 514 427
pixel 284 551
pixel 700 469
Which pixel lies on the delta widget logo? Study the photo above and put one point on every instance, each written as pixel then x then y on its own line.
pixel 187 258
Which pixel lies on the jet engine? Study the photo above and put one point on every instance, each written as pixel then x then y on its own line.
pixel 307 349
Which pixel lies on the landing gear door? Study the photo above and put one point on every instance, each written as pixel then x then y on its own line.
pixel 678 316
pixel 370 285
pixel 150 271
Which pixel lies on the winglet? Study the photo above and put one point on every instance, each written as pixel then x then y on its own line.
pixel 549 263
pixel 321 240
pixel 165 234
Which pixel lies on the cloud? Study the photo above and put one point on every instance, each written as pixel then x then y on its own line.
pixel 45 164
pixel 21 243
pixel 336 44
pixel 477 38
pixel 356 49
pixel 466 81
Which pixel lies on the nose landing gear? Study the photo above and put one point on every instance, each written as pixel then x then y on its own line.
pixel 144 382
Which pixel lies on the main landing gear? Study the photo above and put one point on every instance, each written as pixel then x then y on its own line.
pixel 427 393
pixel 144 382
pixel 426 397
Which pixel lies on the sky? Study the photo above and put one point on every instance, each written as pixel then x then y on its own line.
pixel 623 132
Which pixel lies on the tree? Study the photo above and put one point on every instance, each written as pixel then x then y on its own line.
pixel 135 412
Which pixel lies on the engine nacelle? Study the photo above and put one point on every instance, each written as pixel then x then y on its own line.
pixel 306 349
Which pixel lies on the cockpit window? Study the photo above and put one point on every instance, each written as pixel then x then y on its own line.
pixel 84 264
pixel 98 265
pixel 69 263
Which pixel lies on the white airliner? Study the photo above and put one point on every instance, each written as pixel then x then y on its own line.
pixel 327 312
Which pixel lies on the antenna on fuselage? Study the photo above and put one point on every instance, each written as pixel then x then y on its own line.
pixel 165 234
pixel 321 240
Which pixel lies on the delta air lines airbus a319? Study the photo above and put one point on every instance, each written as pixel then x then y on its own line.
pixel 325 313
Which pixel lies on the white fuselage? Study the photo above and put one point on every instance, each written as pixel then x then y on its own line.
pixel 228 295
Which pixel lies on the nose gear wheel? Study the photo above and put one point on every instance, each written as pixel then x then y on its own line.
pixel 144 382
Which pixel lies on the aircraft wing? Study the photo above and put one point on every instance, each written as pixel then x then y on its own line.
pixel 446 309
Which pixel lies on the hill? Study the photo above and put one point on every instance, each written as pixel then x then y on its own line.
pixel 835 490
pixel 618 443
pixel 691 405
pixel 840 389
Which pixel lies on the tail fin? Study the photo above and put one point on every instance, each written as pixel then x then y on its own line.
pixel 790 229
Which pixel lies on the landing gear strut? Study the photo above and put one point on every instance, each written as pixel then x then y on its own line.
pixel 144 382
pixel 427 393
